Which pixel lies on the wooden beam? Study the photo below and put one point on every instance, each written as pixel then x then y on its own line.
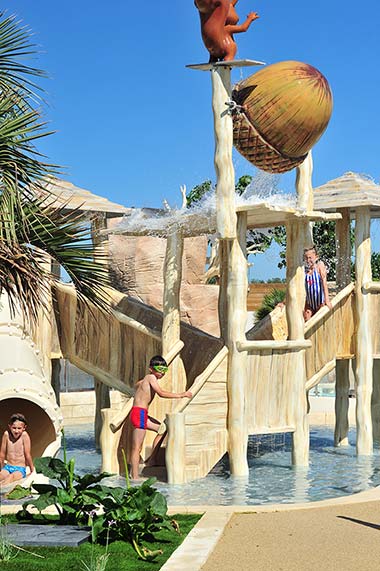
pixel 371 287
pixel 272 345
pixel 317 377
pixel 126 320
pixel 101 375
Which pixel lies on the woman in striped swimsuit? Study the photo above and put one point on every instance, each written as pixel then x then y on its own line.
pixel 317 293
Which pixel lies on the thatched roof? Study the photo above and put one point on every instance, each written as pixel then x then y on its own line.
pixel 66 194
pixel 348 191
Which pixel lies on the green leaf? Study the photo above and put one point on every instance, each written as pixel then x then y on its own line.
pixel 42 502
pixel 53 468
pixel 159 505
pixel 19 492
pixel 89 479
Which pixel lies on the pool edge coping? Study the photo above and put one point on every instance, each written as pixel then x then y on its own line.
pixel 198 545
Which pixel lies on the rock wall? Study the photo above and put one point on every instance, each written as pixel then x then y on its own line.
pixel 137 270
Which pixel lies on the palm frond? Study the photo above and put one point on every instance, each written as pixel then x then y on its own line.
pixel 15 44
pixel 66 237
pixel 29 225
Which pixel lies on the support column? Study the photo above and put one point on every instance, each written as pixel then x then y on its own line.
pixel 304 185
pixel 225 174
pixel 297 233
pixel 375 402
pixel 364 353
pixel 342 384
pixel 237 287
pixel 343 249
pixel 175 450
pixel 223 281
pixel 171 324
pixel 102 400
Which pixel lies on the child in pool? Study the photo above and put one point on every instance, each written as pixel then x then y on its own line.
pixel 317 293
pixel 146 389
pixel 15 451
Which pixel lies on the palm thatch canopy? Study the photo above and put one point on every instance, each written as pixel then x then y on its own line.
pixel 71 197
pixel 351 190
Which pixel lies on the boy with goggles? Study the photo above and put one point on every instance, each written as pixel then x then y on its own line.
pixel 146 389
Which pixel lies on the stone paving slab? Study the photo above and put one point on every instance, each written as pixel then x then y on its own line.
pixel 45 535
pixel 198 544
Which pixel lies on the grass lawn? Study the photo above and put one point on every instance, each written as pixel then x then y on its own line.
pixel 122 555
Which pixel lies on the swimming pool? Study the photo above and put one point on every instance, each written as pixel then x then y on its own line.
pixel 333 472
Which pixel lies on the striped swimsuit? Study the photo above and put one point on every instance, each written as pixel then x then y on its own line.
pixel 314 290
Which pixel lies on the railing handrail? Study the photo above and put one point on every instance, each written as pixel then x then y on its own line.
pixel 201 379
pixel 321 313
pixel 272 344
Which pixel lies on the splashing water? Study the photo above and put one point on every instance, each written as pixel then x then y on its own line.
pixel 201 216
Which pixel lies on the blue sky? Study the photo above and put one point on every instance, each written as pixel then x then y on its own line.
pixel 133 123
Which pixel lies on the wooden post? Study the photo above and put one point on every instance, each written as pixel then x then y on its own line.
pixel 375 402
pixel 225 174
pixel 304 185
pixel 342 384
pixel 171 324
pixel 343 249
pixel 109 442
pixel 175 449
pixel 296 235
pixel 223 281
pixel 237 288
pixel 102 400
pixel 364 354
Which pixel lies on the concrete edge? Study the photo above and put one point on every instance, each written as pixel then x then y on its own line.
pixel 366 496
pixel 197 546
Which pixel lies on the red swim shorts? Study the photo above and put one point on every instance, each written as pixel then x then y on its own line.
pixel 139 417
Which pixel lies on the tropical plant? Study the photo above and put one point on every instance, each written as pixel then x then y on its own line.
pixel 138 512
pixel 128 513
pixel 73 498
pixel 270 300
pixel 30 225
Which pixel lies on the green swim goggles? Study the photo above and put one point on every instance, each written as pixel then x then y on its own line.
pixel 160 368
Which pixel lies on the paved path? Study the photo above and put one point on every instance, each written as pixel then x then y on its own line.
pixel 337 538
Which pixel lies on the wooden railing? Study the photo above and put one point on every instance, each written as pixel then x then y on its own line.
pixel 331 332
pixel 197 432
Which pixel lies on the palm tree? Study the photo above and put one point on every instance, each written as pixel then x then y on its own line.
pixel 30 226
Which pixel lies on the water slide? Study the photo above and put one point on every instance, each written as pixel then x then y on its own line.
pixel 25 382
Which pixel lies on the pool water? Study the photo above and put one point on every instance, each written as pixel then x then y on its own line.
pixel 332 472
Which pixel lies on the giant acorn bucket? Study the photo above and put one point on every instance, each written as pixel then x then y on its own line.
pixel 282 111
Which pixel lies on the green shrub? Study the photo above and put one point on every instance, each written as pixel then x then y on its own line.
pixel 270 301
